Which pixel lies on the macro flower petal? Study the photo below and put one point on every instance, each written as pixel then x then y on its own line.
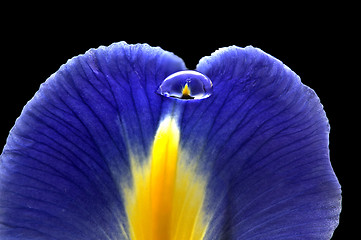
pixel 124 143
pixel 262 137
pixel 68 151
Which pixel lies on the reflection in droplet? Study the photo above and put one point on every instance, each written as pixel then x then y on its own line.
pixel 186 85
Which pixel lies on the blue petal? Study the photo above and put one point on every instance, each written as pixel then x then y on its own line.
pixel 262 136
pixel 64 158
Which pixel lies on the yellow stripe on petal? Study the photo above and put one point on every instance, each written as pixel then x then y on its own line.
pixel 166 199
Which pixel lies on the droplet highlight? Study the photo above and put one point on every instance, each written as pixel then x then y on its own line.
pixel 186 85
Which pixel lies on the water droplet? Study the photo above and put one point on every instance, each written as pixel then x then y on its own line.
pixel 186 85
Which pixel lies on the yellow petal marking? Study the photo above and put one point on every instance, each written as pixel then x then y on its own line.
pixel 166 199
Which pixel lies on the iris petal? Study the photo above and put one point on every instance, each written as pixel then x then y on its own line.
pixel 68 152
pixel 255 151
pixel 263 138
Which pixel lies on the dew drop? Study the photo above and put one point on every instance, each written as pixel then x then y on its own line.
pixel 186 85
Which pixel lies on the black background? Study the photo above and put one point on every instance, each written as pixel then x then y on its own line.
pixel 318 48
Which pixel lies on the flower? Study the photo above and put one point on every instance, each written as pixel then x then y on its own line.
pixel 124 142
